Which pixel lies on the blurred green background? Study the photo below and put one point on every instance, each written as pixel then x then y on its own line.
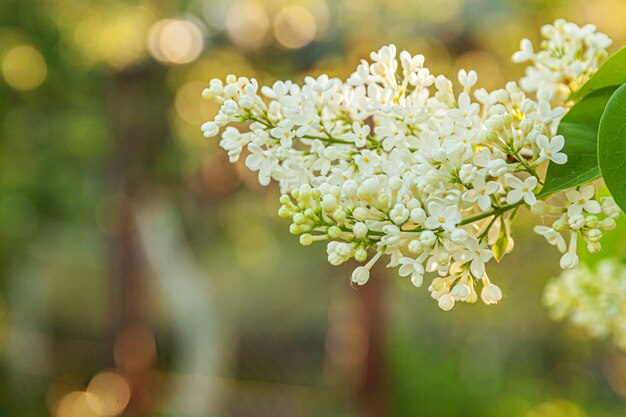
pixel 143 275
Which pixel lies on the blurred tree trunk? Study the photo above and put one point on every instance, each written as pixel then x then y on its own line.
pixel 371 395
pixel 137 116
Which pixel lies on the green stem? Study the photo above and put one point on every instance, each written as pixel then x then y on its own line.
pixel 496 212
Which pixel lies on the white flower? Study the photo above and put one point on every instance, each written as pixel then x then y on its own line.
pixel 260 160
pixel 284 133
pixel 359 134
pixel 525 53
pixel 367 161
pixel 390 135
pixel 467 79
pixel 399 214
pixel 466 109
pixel 521 190
pixel 418 180
pixel 550 149
pixel 582 200
pixel 412 267
pixel 320 84
pixel 491 294
pixel 482 193
pixel 442 216
pixel 278 90
pixel 476 255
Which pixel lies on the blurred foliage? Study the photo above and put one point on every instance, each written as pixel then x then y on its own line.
pixel 100 117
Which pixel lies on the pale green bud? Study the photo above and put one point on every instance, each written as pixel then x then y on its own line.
pixel 299 218
pixel 360 213
pixel 334 232
pixel 384 201
pixel 608 224
pixel 594 247
pixel 284 212
pixel 559 225
pixel 285 199
pixel 593 235
pixel 340 216
pixel 361 254
pixel 329 203
pixel 591 221
pixel 306 239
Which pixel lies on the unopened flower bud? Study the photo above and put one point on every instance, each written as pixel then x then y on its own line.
pixel 460 292
pixel 350 188
pixel 284 212
pixel 360 214
pixel 329 203
pixel 334 232
pixel 593 235
pixel 458 236
pixel 609 224
pixel 418 215
pixel 360 230
pixel 491 294
pixel 360 275
pixel 428 238
pixel 340 216
pixel 576 221
pixel 569 260
pixel 446 302
pixel 414 246
pixel 559 225
pixel 306 239
pixel 395 183
pixel 438 284
pixel 299 218
pixel 383 201
pixel 594 247
pixel 361 254
pixel 591 221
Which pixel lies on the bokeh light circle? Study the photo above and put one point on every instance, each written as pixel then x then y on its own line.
pixel 247 23
pixel 24 68
pixel 110 393
pixel 295 27
pixel 175 41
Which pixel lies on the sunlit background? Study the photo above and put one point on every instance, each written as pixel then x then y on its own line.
pixel 143 275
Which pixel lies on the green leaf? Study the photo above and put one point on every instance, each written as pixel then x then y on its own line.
pixel 612 146
pixel 579 127
pixel 611 74
pixel 502 244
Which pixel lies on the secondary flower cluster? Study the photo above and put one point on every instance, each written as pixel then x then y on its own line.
pixel 395 161
pixel 591 298
pixel 568 56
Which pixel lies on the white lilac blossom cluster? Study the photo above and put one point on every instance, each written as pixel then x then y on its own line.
pixel 591 298
pixel 395 161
